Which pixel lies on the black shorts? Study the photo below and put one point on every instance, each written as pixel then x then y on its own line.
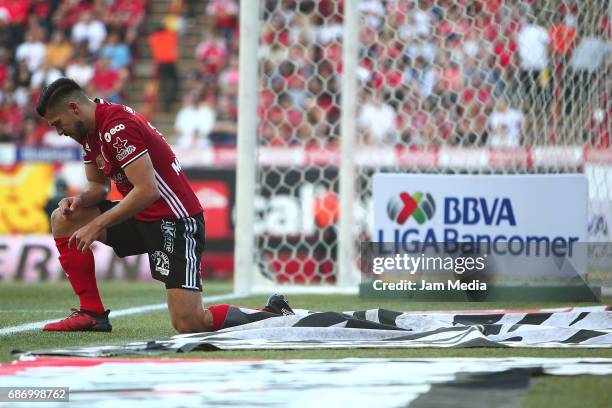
pixel 174 246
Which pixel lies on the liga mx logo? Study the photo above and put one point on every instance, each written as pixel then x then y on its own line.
pixel 420 206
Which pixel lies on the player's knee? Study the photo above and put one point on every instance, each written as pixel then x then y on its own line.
pixel 184 326
pixel 190 324
pixel 59 224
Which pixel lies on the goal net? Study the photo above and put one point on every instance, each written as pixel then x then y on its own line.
pixel 435 86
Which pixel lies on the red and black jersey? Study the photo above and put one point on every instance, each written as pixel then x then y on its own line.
pixel 122 136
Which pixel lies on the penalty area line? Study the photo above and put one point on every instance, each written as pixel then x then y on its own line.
pixel 6 331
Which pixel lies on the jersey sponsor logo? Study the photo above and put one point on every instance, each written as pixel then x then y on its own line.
pixel 123 150
pixel 109 135
pixel 128 109
pixel 168 229
pixel 161 262
pixel 176 166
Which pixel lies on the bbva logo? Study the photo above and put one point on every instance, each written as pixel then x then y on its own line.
pixel 420 206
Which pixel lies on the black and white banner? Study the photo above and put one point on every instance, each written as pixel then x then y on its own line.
pixel 584 327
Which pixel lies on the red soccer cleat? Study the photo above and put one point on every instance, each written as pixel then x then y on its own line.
pixel 82 320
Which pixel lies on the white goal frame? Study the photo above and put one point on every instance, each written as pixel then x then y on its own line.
pixel 245 271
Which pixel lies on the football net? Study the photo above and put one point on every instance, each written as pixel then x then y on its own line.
pixel 336 91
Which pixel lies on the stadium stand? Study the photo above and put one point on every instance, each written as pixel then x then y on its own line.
pixel 90 41
pixel 468 73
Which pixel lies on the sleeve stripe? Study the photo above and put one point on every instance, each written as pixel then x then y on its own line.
pixel 87 162
pixel 123 166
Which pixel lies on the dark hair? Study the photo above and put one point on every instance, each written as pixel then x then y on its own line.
pixel 58 89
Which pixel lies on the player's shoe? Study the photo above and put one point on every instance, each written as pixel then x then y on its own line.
pixel 82 320
pixel 278 305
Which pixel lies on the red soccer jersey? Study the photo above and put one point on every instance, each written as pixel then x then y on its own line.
pixel 122 136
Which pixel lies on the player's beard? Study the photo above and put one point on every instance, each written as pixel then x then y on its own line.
pixel 80 131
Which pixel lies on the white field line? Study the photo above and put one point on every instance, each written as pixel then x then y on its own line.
pixel 32 310
pixel 6 331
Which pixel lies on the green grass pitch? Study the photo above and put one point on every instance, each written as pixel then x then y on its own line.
pixel 25 303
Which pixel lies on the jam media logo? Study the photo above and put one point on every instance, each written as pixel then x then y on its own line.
pixel 421 206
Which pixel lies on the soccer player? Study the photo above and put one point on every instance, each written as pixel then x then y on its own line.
pixel 159 215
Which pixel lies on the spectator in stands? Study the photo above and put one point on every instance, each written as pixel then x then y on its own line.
pixel 420 76
pixel 224 14
pixel 423 18
pixel 377 120
pixel 127 15
pixel 34 131
pixel 89 30
pixel 32 51
pixel 15 14
pixel 5 66
pixel 70 12
pixel 562 37
pixel 471 132
pixel 186 123
pixel 374 12
pixel 164 47
pixel 194 123
pixel 228 78
pixel 598 132
pixel 22 81
pixel 107 82
pixel 41 10
pixel 452 77
pixel 421 47
pixel 11 119
pixel 586 64
pixel 44 76
pixel 59 51
pixel 212 53
pixel 225 128
pixel 6 137
pixel 532 42
pixel 80 70
pixel 118 52
pixel 506 125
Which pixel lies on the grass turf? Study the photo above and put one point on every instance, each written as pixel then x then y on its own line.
pixel 23 303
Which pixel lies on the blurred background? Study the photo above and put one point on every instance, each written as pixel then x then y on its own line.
pixel 471 86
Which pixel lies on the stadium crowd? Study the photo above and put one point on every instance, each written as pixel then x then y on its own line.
pixel 90 41
pixel 464 72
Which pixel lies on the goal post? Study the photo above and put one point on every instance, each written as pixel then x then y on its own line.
pixel 247 142
pixel 348 276
pixel 252 261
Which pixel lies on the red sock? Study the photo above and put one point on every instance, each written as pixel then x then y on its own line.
pixel 81 271
pixel 219 313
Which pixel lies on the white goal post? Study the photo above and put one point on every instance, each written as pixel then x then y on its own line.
pixel 247 278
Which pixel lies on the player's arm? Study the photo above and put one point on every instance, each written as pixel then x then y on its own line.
pixel 95 191
pixel 141 174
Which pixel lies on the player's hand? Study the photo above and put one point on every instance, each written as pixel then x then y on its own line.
pixel 85 236
pixel 69 205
